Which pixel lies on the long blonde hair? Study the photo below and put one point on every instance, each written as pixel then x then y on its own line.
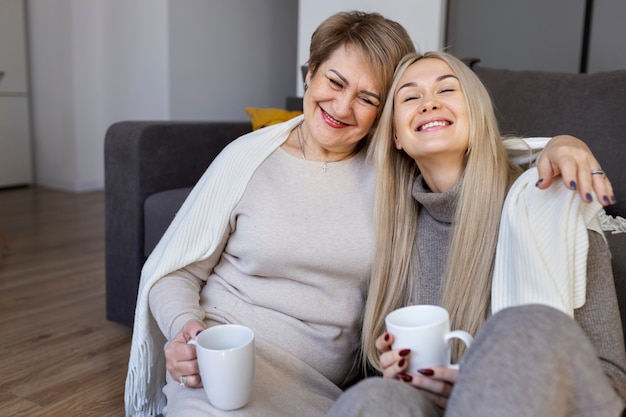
pixel 487 177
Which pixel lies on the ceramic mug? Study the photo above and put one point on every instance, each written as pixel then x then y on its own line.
pixel 226 358
pixel 425 330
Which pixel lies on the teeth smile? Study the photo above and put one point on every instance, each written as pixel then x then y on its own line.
pixel 433 124
pixel 333 120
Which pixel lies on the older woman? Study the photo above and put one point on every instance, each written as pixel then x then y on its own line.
pixel 278 235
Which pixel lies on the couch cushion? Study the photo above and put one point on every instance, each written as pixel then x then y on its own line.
pixel 159 211
pixel 263 117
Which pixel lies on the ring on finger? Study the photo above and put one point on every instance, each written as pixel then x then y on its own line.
pixel 597 172
pixel 183 381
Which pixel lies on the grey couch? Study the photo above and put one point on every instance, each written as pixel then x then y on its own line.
pixel 151 166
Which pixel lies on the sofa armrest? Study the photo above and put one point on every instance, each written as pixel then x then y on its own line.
pixel 140 159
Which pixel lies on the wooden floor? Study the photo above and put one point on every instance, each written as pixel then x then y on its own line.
pixel 59 356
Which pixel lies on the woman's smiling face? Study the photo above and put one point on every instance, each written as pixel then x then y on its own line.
pixel 430 113
pixel 342 101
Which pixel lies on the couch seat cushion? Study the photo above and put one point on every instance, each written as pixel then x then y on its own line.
pixel 159 211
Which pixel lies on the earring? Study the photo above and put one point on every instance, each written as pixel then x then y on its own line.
pixel 306 86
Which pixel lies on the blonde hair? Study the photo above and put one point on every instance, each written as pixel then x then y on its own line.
pixel 487 177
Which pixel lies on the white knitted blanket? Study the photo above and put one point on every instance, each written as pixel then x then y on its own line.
pixel 193 235
pixel 542 246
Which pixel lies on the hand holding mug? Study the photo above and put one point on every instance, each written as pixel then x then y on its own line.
pixel 436 383
pixel 181 359
pixel 226 359
pixel 424 330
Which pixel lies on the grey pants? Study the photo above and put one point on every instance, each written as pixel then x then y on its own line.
pixel 526 361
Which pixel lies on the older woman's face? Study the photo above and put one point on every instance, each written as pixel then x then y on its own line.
pixel 430 113
pixel 342 101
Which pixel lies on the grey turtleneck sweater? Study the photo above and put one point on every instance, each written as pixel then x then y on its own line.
pixel 599 317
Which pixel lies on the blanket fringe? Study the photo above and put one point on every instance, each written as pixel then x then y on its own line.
pixel 144 399
pixel 613 224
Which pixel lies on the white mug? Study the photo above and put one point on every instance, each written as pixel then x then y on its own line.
pixel 226 361
pixel 425 330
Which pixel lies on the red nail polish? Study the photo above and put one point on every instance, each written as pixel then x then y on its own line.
pixel 426 372
pixel 386 337
pixel 404 377
pixel 404 352
pixel 401 363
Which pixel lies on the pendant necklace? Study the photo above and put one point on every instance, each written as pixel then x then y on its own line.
pixel 302 143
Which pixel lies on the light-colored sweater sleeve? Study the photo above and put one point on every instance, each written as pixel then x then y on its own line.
pixel 525 151
pixel 175 298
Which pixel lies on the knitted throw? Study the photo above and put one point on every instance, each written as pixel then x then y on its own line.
pixel 542 246
pixel 193 235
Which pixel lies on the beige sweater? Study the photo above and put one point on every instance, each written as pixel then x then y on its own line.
pixel 294 268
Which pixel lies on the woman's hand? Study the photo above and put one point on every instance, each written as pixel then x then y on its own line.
pixel 436 383
pixel 572 159
pixel 392 362
pixel 181 359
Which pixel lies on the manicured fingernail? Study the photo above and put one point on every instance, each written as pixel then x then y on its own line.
pixel 402 362
pixel 404 352
pixel 572 185
pixel 426 372
pixel 386 337
pixel 404 377
pixel 198 332
pixel 606 199
pixel 613 199
pixel 538 182
pixel 589 197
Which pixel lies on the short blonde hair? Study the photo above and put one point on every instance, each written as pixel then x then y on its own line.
pixel 383 42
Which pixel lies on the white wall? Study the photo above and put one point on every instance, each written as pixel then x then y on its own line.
pixel 225 56
pixel 92 63
pixel 424 20
pixel 51 63
pixel 136 52
pixel 96 62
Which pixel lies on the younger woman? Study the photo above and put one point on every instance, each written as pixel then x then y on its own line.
pixel 534 285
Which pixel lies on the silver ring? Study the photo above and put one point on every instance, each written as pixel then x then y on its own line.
pixel 597 171
pixel 183 381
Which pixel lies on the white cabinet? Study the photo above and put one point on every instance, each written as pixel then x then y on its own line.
pixel 15 137
pixel 15 152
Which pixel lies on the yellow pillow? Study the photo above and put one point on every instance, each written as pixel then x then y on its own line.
pixel 265 117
